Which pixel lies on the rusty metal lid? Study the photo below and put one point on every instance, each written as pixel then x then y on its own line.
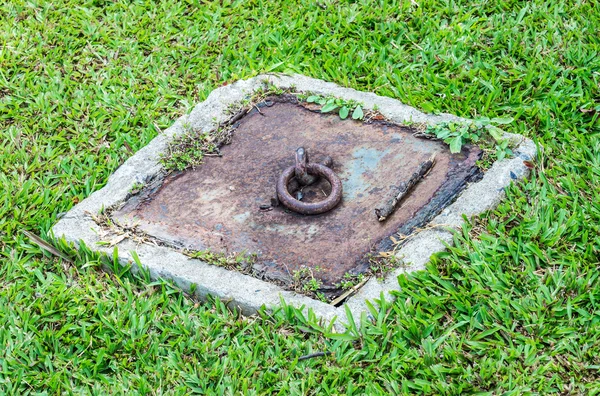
pixel 225 204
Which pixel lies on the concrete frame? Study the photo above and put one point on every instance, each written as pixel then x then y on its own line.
pixel 248 293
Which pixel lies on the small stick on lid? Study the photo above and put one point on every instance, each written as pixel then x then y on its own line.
pixel 400 191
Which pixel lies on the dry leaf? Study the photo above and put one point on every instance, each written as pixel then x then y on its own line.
pixel 117 239
pixel 529 164
pixel 45 245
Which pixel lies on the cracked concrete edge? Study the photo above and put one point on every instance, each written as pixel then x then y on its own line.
pixel 241 291
pixel 247 293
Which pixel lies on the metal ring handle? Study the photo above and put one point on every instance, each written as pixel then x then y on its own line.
pixel 310 208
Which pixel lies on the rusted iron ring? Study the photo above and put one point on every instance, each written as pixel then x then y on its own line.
pixel 310 208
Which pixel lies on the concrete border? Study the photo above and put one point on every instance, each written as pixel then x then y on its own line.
pixel 246 292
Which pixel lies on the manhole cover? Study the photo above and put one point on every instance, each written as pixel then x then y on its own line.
pixel 225 204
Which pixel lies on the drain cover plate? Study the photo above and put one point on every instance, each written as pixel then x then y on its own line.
pixel 217 206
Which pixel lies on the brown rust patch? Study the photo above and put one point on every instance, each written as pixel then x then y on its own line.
pixel 217 206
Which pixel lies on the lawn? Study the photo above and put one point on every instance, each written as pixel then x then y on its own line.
pixel 512 308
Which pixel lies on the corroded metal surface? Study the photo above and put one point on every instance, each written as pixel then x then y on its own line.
pixel 224 204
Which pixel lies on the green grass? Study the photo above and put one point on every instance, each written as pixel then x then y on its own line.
pixel 513 308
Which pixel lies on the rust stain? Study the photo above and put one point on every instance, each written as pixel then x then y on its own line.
pixel 221 204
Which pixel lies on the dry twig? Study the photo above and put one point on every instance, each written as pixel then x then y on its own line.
pixel 399 192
